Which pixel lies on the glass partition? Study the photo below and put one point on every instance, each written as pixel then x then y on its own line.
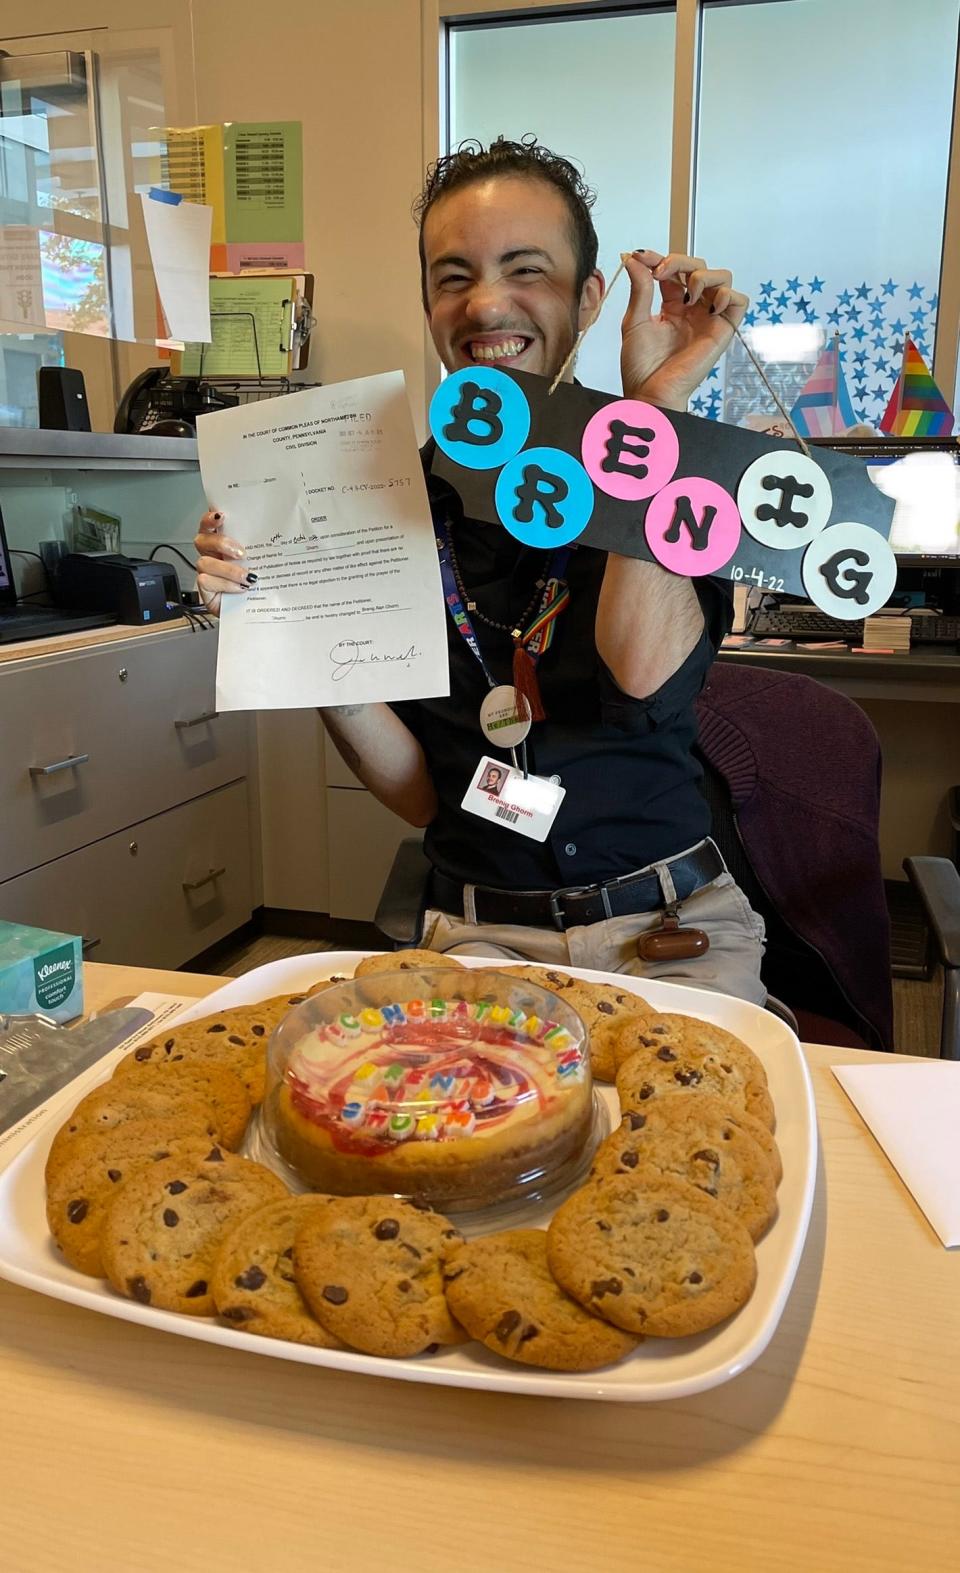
pixel 822 155
pixel 599 90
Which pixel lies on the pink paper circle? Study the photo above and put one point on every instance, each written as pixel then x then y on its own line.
pixel 682 556
pixel 600 443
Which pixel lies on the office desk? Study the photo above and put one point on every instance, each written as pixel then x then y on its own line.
pixel 927 672
pixel 131 1451
pixel 910 698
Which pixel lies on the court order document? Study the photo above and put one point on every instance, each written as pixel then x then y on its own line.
pixel 325 489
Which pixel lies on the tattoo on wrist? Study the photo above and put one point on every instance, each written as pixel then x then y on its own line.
pixel 342 709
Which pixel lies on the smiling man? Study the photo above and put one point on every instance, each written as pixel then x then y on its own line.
pixel 508 256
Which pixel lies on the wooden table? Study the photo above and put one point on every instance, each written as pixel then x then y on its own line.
pixel 127 1450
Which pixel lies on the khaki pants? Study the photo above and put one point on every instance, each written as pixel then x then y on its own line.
pixel 730 966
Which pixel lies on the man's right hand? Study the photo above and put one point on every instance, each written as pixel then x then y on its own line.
pixel 220 566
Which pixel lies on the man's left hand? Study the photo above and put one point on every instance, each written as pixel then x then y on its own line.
pixel 664 358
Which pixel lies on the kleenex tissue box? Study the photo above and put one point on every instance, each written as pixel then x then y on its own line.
pixel 40 971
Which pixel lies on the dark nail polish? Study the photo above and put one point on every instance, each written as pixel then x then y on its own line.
pixel 686 297
pixel 252 578
pixel 218 516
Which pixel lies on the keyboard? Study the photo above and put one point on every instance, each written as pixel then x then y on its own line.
pixel 935 629
pixel 46 622
pixel 801 622
pixel 807 623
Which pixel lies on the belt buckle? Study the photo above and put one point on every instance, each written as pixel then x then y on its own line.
pixel 559 917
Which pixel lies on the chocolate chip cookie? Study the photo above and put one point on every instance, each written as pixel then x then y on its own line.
pixel 235 1039
pixel 551 978
pixel 279 1005
pixel 501 1290
pixel 163 1229
pixel 253 1282
pixel 369 1267
pixel 659 1258
pixel 699 1140
pixel 404 961
pixel 119 1103
pixel 89 1175
pixel 706 1038
pixel 672 1063
pixel 605 1010
pixel 214 1085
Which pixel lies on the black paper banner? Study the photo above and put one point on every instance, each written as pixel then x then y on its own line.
pixel 689 471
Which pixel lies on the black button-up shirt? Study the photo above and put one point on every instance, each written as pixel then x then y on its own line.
pixel 630 777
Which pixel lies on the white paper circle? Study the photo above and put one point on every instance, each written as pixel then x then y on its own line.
pixel 504 717
pixel 849 571
pixel 776 514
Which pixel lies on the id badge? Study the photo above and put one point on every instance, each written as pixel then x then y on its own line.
pixel 504 796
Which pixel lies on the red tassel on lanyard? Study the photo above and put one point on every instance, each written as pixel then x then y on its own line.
pixel 538 636
pixel 525 678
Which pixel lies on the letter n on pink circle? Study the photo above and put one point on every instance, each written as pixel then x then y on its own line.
pixel 693 526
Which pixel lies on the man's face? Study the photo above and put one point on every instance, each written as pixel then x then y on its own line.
pixel 501 277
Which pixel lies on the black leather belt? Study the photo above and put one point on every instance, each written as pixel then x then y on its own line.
pixel 582 904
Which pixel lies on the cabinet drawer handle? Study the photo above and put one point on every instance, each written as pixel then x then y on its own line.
pixel 197 884
pixel 197 720
pixel 61 764
pixel 90 944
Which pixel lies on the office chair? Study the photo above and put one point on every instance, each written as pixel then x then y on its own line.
pixel 792 777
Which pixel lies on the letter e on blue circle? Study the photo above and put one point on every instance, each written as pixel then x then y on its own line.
pixel 479 417
pixel 544 497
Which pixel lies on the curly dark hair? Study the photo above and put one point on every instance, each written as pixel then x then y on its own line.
pixel 528 158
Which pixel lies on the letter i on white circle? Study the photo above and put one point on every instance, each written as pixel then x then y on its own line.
pixel 784 499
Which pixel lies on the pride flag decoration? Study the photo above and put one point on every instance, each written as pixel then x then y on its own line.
pixel 823 408
pixel 917 408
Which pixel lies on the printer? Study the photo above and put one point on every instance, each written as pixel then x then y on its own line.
pixel 133 590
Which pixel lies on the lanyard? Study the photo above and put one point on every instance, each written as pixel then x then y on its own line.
pixel 537 636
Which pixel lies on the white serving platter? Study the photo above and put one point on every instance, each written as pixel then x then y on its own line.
pixel 659 1369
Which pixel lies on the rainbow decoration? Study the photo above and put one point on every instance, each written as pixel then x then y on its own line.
pixel 917 408
pixel 823 408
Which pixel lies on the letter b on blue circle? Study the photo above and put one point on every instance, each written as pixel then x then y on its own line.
pixel 544 497
pixel 479 417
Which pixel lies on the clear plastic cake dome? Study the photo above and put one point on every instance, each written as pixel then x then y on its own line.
pixel 461 1088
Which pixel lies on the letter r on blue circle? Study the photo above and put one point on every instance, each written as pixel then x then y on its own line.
pixel 544 497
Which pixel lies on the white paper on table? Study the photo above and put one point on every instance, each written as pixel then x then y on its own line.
pixel 325 490
pixel 178 235
pixel 914 1112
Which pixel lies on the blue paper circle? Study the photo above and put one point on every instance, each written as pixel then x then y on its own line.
pixel 501 407
pixel 535 467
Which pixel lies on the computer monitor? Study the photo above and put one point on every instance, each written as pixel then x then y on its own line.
pixel 8 589
pixel 922 476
